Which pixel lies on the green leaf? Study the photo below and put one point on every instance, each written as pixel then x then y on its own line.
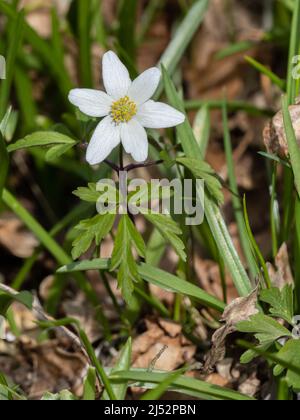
pixel 123 363
pixel 250 355
pixel 62 396
pixel 89 387
pixel 169 282
pixel 184 131
pixel 57 151
pixel 281 302
pixel 202 170
pixel 91 229
pixel 170 230
pixel 41 139
pixel 290 353
pixel 88 194
pixel 122 257
pixel 266 329
pixel 8 124
pixel 293 146
pixel 7 298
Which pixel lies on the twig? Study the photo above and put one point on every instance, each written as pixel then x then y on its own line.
pixel 133 166
pixel 41 315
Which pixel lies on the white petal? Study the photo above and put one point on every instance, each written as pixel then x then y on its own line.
pixel 115 76
pixel 158 115
pixel 135 141
pixel 91 102
pixel 105 138
pixel 144 86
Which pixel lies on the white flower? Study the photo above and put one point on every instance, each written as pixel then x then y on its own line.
pixel 127 109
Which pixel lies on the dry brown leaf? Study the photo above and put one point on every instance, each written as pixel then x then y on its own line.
pixel 274 132
pixel 241 309
pixel 162 346
pixel 281 274
pixel 15 238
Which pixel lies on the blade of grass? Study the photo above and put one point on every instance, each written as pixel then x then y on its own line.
pixel 157 392
pixel 154 276
pixel 212 212
pixel 89 386
pixel 235 48
pixel 201 128
pixel 182 38
pixel 231 105
pixel 274 212
pixel 237 204
pixel 294 48
pixel 184 384
pixel 267 72
pixel 98 23
pixel 56 38
pixel 85 58
pixel 293 51
pixel 89 349
pixel 15 39
pixel 123 363
pixel 126 32
pixel 26 103
pixel 255 247
pixel 42 48
pixel 148 17
pixel 4 164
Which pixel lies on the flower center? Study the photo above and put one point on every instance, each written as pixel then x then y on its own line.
pixel 123 110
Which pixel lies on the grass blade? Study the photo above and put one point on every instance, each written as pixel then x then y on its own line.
pixel 182 38
pixel 212 212
pixel 231 105
pixel 237 204
pixel 126 33
pixel 183 384
pixel 42 48
pixel 85 58
pixel 15 42
pixel 154 276
pixel 293 51
pixel 267 72
pixel 123 363
pixel 89 389
pixel 4 164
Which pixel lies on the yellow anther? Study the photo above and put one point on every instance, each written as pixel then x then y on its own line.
pixel 123 110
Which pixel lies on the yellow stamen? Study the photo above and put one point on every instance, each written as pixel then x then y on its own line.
pixel 123 110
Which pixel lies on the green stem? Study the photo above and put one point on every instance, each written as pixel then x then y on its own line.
pixel 96 363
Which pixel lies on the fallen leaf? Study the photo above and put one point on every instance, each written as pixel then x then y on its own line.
pixel 241 309
pixel 162 346
pixel 15 238
pixel 281 274
pixel 274 132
